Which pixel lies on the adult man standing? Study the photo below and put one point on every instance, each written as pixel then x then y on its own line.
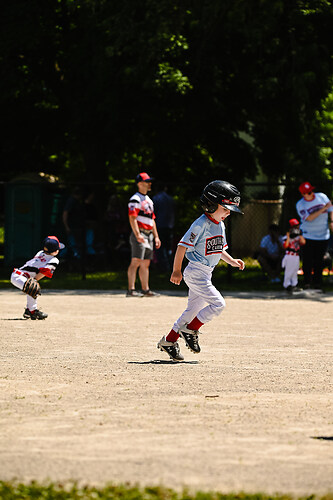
pixel 316 214
pixel 144 235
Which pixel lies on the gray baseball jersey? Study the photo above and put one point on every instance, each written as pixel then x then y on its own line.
pixel 204 241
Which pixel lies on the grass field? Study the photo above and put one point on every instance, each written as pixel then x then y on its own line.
pixel 224 277
pixel 19 491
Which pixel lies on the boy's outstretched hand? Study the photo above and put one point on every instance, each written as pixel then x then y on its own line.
pixel 240 264
pixel 176 277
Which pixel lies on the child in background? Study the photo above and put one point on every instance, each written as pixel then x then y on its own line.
pixel 44 263
pixel 292 244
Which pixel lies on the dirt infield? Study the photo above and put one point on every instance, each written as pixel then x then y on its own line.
pixel 86 396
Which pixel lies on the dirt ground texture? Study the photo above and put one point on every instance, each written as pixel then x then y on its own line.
pixel 85 395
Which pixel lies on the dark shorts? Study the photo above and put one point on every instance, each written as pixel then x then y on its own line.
pixel 142 250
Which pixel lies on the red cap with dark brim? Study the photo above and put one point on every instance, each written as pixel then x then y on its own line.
pixel 144 177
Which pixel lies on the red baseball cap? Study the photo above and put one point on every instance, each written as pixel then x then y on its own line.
pixel 143 177
pixel 305 188
pixel 293 222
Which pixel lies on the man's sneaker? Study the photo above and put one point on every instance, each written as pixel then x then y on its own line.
pixel 150 293
pixel 36 314
pixel 171 348
pixel 133 293
pixel 191 338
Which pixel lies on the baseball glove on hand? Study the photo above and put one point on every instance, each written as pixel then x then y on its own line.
pixel 32 287
pixel 294 232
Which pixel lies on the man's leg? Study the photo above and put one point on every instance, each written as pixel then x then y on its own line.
pixel 144 274
pixel 318 262
pixel 131 272
pixel 307 256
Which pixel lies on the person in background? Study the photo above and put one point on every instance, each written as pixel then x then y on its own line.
pixel 143 237
pixel 164 208
pixel 316 213
pixel 292 243
pixel 270 253
pixel 73 218
pixel 91 218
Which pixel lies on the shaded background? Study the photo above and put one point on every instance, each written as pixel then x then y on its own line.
pixel 95 91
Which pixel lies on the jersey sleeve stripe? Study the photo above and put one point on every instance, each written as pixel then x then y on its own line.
pixel 185 244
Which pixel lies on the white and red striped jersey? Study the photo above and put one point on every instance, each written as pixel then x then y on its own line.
pixel 142 208
pixel 41 263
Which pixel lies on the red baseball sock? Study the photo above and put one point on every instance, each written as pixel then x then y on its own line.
pixel 194 324
pixel 172 336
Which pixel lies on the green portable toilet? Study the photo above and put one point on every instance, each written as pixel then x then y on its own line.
pixel 23 221
pixel 33 210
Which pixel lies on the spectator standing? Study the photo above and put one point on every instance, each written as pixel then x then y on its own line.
pixel 144 235
pixel 164 208
pixel 116 232
pixel 91 217
pixel 292 243
pixel 316 214
pixel 270 253
pixel 73 218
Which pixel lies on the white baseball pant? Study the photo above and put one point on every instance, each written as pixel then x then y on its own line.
pixel 201 291
pixel 290 263
pixel 18 280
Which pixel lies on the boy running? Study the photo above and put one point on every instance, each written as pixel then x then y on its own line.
pixel 204 244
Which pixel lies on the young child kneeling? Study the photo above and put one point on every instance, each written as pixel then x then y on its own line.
pixel 44 263
pixel 204 244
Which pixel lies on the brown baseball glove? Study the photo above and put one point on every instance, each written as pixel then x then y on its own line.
pixel 32 287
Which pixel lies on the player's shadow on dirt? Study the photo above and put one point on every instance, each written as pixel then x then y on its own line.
pixel 13 319
pixel 162 362
pixel 323 438
pixel 313 296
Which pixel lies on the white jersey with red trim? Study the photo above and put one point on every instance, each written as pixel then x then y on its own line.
pixel 204 241
pixel 294 245
pixel 142 208
pixel 41 263
pixel 317 229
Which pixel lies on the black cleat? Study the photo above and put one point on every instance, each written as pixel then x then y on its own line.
pixel 191 339
pixel 171 348
pixel 36 314
pixel 133 293
pixel 150 293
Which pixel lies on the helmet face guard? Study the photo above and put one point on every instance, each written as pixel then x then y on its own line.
pixel 220 193
pixel 232 205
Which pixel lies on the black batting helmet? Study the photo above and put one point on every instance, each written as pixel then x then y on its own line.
pixel 220 193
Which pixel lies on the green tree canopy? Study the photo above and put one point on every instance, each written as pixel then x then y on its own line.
pixel 192 89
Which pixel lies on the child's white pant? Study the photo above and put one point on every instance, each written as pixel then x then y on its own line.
pixel 201 291
pixel 291 267
pixel 18 280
